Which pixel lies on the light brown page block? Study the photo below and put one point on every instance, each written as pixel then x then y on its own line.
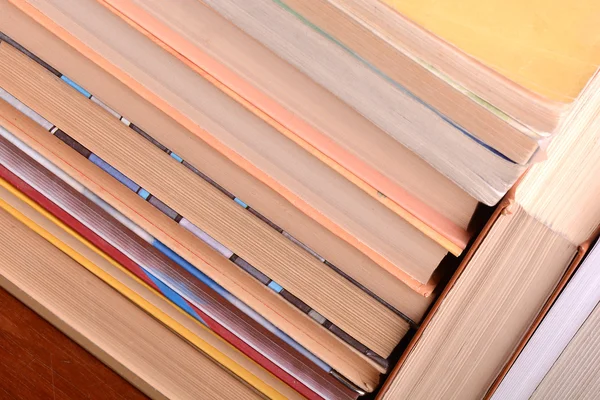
pixel 270 305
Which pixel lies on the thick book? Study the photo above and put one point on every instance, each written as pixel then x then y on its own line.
pixel 539 56
pixel 503 71
pixel 560 329
pixel 476 328
pixel 481 316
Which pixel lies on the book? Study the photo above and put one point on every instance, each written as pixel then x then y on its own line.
pixel 496 296
pixel 575 373
pixel 548 57
pixel 347 203
pixel 407 55
pixel 55 285
pixel 540 361
pixel 484 312
pixel 189 291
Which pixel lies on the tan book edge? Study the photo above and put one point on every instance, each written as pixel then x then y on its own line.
pixel 398 257
pixel 152 302
pixel 266 201
pixel 502 208
pixel 497 131
pixel 484 316
pixel 344 359
pixel 582 250
pixel 158 22
pixel 47 279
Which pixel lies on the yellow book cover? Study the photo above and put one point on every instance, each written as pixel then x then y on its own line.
pixel 550 47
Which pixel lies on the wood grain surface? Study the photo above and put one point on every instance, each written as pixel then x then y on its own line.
pixel 37 361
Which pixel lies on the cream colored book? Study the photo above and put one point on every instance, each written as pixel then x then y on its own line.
pixel 535 57
pixel 403 52
pixel 478 324
pixel 507 72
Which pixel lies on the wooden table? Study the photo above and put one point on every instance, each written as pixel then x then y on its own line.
pixel 37 361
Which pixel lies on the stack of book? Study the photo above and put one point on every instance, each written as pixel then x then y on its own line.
pixel 287 198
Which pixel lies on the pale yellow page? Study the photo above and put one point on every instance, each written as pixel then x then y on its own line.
pixel 551 47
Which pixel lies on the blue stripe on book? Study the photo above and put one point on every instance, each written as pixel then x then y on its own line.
pixel 239 304
pixel 76 87
pixel 143 193
pixel 174 297
pixel 275 286
pixel 395 83
pixel 175 156
pixel 114 172
pixel 241 203
pixel 191 269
